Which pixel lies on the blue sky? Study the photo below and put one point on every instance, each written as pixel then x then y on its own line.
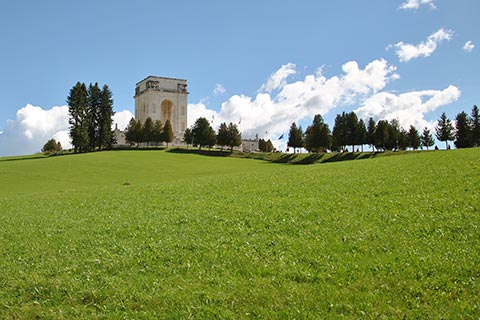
pixel 268 63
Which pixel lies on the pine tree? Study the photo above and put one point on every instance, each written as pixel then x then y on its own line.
pixel 427 138
pixel 157 133
pixel 295 137
pixel 167 132
pixel 394 134
pixel 361 133
pixel 463 132
pixel 382 135
pixel 413 138
pixel 188 137
pixel 77 101
pixel 148 131
pixel 370 135
pixel 52 146
pixel 351 125
pixel 444 130
pixel 94 101
pixel 317 135
pixel 475 123
pixel 234 136
pixel 222 136
pixel 340 132
pixel 105 120
pixel 130 133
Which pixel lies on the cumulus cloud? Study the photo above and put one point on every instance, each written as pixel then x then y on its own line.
pixel 468 46
pixel 415 4
pixel 409 108
pixel 407 52
pixel 33 126
pixel 278 102
pixel 121 119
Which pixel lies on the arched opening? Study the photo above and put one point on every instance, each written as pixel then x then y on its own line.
pixel 167 111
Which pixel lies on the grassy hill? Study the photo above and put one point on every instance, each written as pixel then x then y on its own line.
pixel 155 234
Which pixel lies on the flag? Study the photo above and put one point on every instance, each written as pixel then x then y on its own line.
pixel 281 137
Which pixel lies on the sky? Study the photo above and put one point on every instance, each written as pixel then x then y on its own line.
pixel 260 64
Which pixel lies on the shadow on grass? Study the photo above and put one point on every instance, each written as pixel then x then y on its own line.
pixel 204 152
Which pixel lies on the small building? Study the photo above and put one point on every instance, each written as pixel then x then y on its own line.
pixel 249 145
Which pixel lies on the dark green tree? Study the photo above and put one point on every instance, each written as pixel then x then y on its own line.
pixel 340 132
pixel 413 138
pixel 105 120
pixel 370 135
pixel 93 111
pixel 382 134
pixel 130 132
pixel 188 137
pixel 317 136
pixel 361 133
pixel 394 134
pixel 402 141
pixel 222 136
pixel 52 146
pixel 463 132
pixel 444 130
pixel 352 136
pixel 475 123
pixel 427 139
pixel 77 101
pixel 148 131
pixel 167 132
pixel 202 133
pixel 234 136
pixel 157 133
pixel 295 137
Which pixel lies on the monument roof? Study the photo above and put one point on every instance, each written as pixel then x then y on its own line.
pixel 157 77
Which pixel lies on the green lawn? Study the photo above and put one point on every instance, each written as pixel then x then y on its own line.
pixel 153 234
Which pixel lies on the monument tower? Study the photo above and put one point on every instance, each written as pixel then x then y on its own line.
pixel 163 99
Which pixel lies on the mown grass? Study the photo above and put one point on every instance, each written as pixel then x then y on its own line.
pixel 162 235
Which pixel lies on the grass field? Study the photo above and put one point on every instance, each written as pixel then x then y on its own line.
pixel 153 234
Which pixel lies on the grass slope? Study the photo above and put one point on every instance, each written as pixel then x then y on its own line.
pixel 205 237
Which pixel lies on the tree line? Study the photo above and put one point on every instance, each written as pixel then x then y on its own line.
pixel 383 135
pixel 201 134
pixel 149 132
pixel 90 117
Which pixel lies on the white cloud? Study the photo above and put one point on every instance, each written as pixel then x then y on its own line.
pixel 415 4
pixel 468 46
pixel 121 119
pixel 409 108
pixel 407 52
pixel 33 126
pixel 274 112
pixel 219 89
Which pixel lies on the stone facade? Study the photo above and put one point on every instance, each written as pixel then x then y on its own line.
pixel 163 99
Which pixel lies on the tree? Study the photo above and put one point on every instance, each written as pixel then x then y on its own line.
pixel 148 131
pixel 370 135
pixel 394 134
pixel 77 101
pixel 52 146
pixel 105 134
pixel 188 137
pixel 222 136
pixel 382 135
pixel 413 138
pixel 93 115
pixel 427 138
pixel 402 140
pixel 339 132
pixel 234 136
pixel 361 133
pixel 202 133
pixel 444 129
pixel 317 135
pixel 352 136
pixel 295 137
pixel 130 132
pixel 475 123
pixel 265 146
pixel 167 132
pixel 463 132
pixel 157 133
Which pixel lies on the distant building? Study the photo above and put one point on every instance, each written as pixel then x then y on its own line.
pixel 249 145
pixel 119 136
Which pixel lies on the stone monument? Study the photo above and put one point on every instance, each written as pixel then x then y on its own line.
pixel 163 99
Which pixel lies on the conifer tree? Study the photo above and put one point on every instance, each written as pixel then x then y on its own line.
pixel 317 135
pixel 413 138
pixel 77 101
pixel 427 138
pixel 167 132
pixel 187 137
pixel 362 133
pixel 295 137
pixel 370 135
pixel 475 123
pixel 222 136
pixel 444 130
pixel 94 101
pixel 382 135
pixel 203 134
pixel 148 131
pixel 130 133
pixel 463 132
pixel 157 133
pixel 234 138
pixel 105 118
